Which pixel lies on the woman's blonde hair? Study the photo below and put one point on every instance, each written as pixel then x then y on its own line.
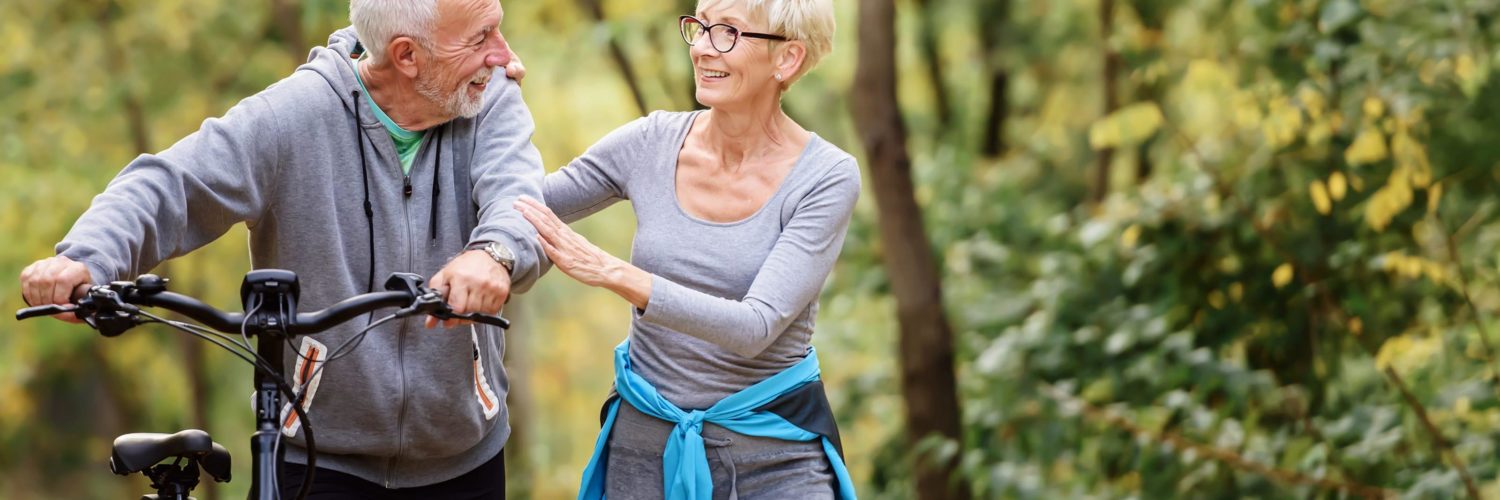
pixel 808 21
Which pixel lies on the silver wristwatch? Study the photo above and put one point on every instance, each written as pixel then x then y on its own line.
pixel 500 253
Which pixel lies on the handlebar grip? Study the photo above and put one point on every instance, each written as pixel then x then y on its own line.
pixel 47 310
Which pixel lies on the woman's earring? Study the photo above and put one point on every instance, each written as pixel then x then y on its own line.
pixel 778 76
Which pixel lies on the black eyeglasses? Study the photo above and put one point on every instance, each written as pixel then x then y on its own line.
pixel 721 36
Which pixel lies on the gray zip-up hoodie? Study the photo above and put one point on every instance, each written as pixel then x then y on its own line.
pixel 409 406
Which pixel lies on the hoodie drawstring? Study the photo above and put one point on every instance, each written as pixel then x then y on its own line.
pixel 364 175
pixel 437 169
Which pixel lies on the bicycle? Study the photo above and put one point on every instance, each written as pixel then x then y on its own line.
pixel 270 298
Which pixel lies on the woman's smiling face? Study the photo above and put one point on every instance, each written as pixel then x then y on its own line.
pixel 745 72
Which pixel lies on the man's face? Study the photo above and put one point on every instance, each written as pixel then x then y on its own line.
pixel 466 50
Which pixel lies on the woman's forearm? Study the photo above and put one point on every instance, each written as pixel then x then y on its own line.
pixel 629 282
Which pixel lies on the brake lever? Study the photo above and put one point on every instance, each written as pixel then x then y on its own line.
pixel 47 310
pixel 430 302
pixel 503 323
pixel 427 301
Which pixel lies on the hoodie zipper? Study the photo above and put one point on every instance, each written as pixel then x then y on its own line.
pixel 406 192
pixel 401 358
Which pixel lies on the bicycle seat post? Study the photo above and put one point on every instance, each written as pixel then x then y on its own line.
pixel 272 294
pixel 173 482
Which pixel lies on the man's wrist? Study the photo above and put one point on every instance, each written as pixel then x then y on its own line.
pixel 501 254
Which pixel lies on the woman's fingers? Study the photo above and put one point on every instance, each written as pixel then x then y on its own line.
pixel 543 216
pixel 557 238
pixel 571 252
pixel 546 224
pixel 556 256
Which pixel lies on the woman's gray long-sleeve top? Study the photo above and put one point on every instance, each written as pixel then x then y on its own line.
pixel 731 303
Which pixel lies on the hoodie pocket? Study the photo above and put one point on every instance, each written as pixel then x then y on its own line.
pixel 483 394
pixel 310 359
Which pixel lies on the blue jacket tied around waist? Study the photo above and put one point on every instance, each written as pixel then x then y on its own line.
pixel 766 409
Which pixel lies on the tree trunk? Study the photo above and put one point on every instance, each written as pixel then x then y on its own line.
pixel 1111 94
pixel 992 35
pixel 926 343
pixel 933 63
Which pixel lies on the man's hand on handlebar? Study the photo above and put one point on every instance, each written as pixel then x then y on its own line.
pixel 472 283
pixel 55 281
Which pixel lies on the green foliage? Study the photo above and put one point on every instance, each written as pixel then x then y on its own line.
pixel 1318 207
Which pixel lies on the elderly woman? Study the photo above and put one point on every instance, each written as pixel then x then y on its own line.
pixel 741 213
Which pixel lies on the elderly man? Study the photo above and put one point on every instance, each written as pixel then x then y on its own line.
pixel 398 147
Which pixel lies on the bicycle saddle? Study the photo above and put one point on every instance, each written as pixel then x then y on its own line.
pixel 139 451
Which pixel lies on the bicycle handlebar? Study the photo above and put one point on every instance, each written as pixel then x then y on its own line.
pixel 117 303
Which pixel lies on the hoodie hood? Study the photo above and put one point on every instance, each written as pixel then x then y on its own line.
pixel 335 63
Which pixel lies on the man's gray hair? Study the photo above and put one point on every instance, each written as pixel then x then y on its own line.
pixel 377 22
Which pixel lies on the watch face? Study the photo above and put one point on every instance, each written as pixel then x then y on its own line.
pixel 502 252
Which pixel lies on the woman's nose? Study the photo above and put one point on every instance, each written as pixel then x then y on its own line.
pixel 702 47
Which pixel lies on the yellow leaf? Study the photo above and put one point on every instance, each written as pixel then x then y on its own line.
pixel 1312 101
pixel 1412 267
pixel 1247 114
pixel 1391 261
pixel 1434 271
pixel 1475 350
pixel 1356 326
pixel 1216 299
pixel 1236 291
pixel 1428 72
pixel 1405 353
pixel 1389 200
pixel 1127 126
pixel 1368 147
pixel 1463 68
pixel 1320 197
pixel 1373 107
pixel 1379 210
pixel 1283 122
pixel 1319 132
pixel 1130 236
pixel 1337 186
pixel 1282 275
pixel 1471 74
pixel 1461 406
pixel 1434 194
pixel 1412 157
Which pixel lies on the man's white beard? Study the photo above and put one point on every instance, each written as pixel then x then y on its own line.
pixel 456 102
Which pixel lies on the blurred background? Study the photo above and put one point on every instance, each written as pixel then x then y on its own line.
pixel 1108 248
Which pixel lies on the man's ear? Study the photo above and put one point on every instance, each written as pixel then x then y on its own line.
pixel 402 52
pixel 792 55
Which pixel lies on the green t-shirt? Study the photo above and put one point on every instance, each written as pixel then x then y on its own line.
pixel 407 142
